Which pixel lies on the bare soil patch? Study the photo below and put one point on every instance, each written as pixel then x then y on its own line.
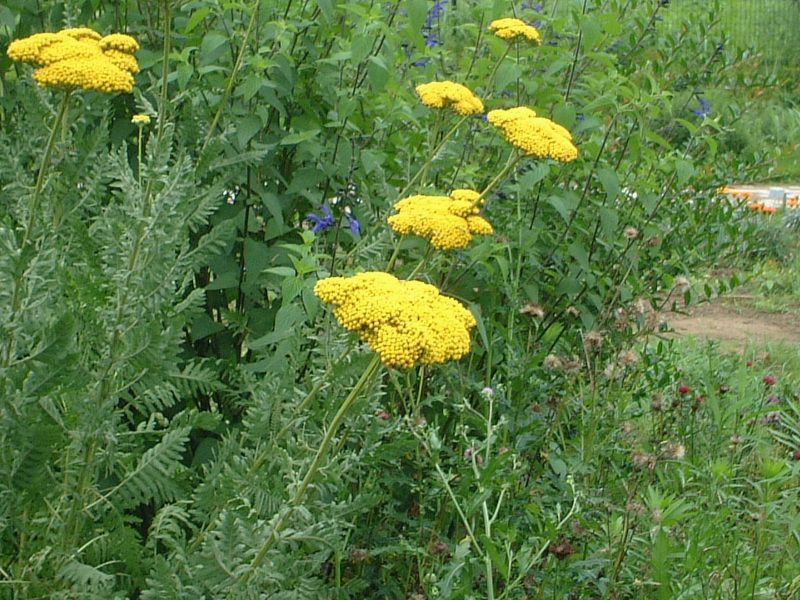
pixel 725 322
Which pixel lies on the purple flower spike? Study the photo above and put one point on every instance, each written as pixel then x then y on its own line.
pixel 324 222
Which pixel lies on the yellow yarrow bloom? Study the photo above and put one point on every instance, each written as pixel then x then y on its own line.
pixel 404 322
pixel 510 29
pixel 446 221
pixel 80 58
pixel 447 94
pixel 536 136
pixel 140 119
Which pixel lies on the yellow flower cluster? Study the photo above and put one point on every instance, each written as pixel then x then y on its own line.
pixel 447 221
pixel 447 94
pixel 510 29
pixel 536 136
pixel 80 58
pixel 141 119
pixel 404 322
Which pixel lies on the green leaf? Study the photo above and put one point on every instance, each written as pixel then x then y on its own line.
pixel 610 182
pixel 326 8
pixel 360 48
pixel 285 321
pixel 684 171
pixel 196 18
pixel 301 136
pixel 246 128
pixel 416 10
pixel 212 48
pixel 378 73
pixel 592 29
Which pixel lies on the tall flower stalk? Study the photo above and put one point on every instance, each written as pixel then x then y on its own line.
pixel 297 498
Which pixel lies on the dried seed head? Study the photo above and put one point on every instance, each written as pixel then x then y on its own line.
pixel 532 310
pixel 631 233
pixel 656 402
pixel 681 284
pixel 358 555
pixel 552 363
pixel 593 339
pixel 628 358
pixel 674 450
pixel 561 549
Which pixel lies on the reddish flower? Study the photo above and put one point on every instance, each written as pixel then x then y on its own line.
pixel 684 389
pixel 796 455
pixel 769 380
pixel 382 414
pixel 749 363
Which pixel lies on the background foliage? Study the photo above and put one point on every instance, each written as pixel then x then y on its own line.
pixel 167 371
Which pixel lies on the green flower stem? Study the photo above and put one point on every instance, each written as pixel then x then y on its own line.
pixel 162 104
pixel 437 124
pixel 16 296
pixel 365 378
pixel 513 159
pixel 464 520
pixel 490 79
pixel 139 154
pixel 236 67
pixel 487 520
pixel 46 158
pixel 432 155
pixel 395 254
pixel 421 262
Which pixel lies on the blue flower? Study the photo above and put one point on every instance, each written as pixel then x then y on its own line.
pixel 355 226
pixel 324 222
pixel 431 38
pixel 704 109
pixel 434 13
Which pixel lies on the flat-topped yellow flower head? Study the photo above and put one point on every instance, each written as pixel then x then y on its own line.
pixel 404 322
pixel 535 136
pixel 446 221
pixel 447 94
pixel 80 58
pixel 510 29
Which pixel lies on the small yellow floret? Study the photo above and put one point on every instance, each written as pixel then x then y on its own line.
pixel 536 136
pixel 446 221
pixel 140 119
pixel 126 62
pixel 404 322
pixel 121 42
pixel 79 58
pixel 510 29
pixel 81 33
pixel 447 94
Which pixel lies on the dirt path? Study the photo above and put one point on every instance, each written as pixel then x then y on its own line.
pixel 736 324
